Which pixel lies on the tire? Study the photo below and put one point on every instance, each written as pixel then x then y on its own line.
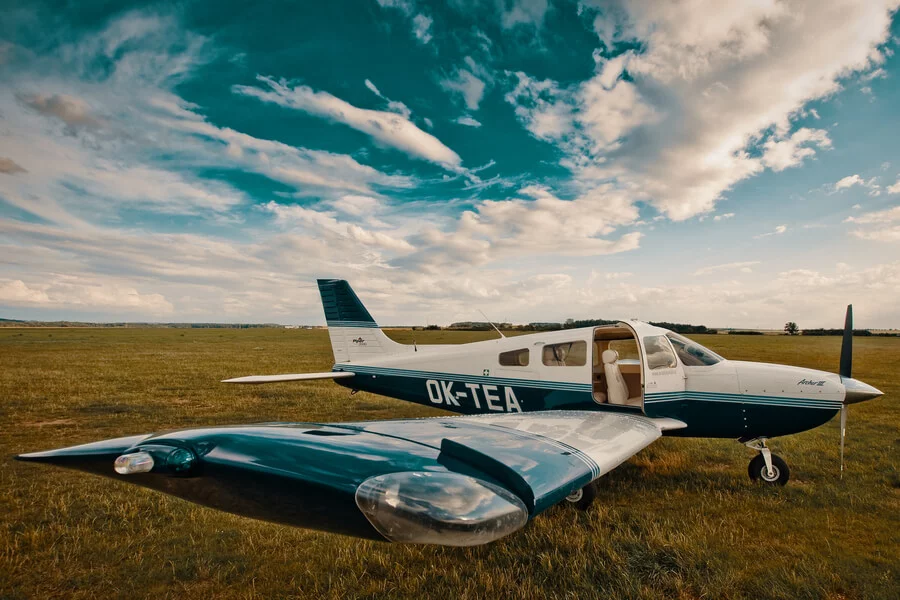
pixel 758 472
pixel 582 498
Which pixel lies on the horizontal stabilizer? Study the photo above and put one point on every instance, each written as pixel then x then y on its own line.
pixel 289 377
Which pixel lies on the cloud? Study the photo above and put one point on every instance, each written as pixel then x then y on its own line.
pixel 848 182
pixel 894 189
pixel 467 121
pixel 374 89
pixel 421 23
pixel 880 234
pixel 470 83
pixel 74 112
pixel 10 167
pixel 422 28
pixel 852 180
pixel 320 222
pixel 780 154
pixel 878 73
pixel 534 223
pixel 388 128
pixel 882 216
pixel 522 12
pixel 743 267
pixel 74 293
pixel 778 231
pixel 882 227
pixel 723 217
pixel 699 113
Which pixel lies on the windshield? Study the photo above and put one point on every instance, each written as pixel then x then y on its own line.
pixel 691 353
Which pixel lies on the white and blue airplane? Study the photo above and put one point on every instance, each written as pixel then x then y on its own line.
pixel 545 415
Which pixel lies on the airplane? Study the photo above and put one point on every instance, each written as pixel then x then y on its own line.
pixel 543 417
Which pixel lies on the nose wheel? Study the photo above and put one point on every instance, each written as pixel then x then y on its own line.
pixel 766 467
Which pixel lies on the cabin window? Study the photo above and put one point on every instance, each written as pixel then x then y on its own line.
pixel 691 353
pixel 659 353
pixel 514 358
pixel 567 354
pixel 627 349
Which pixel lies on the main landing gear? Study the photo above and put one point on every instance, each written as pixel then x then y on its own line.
pixel 766 467
pixel 582 498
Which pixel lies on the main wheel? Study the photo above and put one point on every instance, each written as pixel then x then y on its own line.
pixel 758 471
pixel 583 498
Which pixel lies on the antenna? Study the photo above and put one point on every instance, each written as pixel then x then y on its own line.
pixel 491 322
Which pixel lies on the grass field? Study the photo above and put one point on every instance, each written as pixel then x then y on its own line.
pixel 679 520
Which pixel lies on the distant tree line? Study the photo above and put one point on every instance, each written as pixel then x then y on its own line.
pixel 859 332
pixel 571 324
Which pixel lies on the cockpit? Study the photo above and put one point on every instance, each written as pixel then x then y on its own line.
pixel 617 373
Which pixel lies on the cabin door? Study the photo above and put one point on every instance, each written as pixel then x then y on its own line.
pixel 664 376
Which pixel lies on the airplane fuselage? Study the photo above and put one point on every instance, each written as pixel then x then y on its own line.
pixel 729 399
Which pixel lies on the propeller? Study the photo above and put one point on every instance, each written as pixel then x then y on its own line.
pixel 845 371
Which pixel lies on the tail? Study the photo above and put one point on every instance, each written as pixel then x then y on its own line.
pixel 355 335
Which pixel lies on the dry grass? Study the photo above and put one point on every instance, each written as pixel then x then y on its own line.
pixel 680 520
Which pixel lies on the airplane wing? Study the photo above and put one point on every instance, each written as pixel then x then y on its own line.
pixel 289 377
pixel 457 481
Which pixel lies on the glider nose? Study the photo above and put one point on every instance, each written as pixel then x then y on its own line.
pixel 857 391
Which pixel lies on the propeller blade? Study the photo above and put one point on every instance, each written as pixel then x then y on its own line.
pixel 843 435
pixel 847 344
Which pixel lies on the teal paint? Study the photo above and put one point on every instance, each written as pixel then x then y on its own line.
pixel 707 414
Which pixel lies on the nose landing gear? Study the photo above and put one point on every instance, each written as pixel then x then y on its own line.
pixel 766 467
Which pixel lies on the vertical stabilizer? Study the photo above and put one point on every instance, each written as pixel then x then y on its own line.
pixel 355 336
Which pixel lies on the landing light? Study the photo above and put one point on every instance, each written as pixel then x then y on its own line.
pixel 439 508
pixel 136 462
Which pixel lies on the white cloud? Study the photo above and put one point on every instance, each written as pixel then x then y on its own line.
pixel 421 23
pixel 470 83
pixel 880 226
pixel 778 231
pixel 780 154
pixel 894 189
pixel 853 180
pixel 878 73
pixel 78 293
pixel 848 182
pixel 882 216
pixel 74 112
pixel 387 128
pixel 722 217
pixel 705 74
pixel 422 28
pixel 373 89
pixel 879 234
pixel 743 267
pixel 467 121
pixel 522 12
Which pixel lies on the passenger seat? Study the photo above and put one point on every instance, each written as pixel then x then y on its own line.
pixel 615 383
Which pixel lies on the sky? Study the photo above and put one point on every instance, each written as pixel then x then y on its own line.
pixel 720 163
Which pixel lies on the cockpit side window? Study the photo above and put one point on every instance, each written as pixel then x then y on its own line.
pixel 514 358
pixel 659 353
pixel 568 354
pixel 691 353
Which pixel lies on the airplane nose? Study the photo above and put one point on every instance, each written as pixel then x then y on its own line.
pixel 857 391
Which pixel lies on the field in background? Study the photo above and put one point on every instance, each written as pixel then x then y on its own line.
pixel 679 520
